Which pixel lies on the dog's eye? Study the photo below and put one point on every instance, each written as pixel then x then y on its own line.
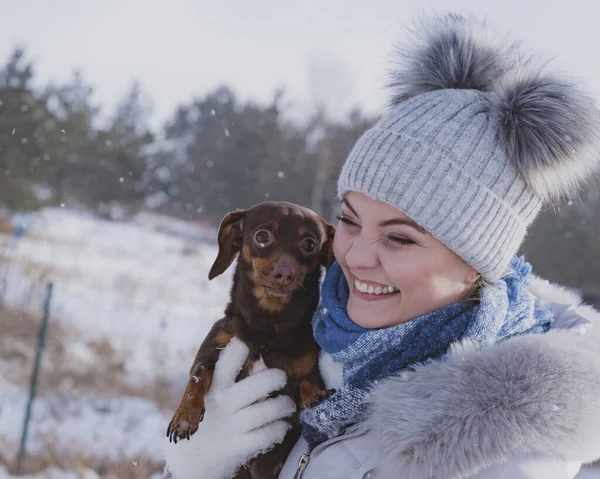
pixel 309 245
pixel 262 237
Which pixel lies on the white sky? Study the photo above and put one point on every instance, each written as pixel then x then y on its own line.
pixel 179 49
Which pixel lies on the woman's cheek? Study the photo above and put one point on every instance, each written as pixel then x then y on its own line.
pixel 339 244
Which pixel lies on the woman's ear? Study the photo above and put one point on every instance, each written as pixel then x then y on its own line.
pixel 473 275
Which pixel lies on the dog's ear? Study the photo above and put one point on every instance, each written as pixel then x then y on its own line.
pixel 230 242
pixel 326 258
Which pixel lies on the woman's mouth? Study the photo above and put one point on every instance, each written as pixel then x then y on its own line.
pixel 372 291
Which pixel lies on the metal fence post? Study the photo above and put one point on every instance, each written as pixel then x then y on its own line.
pixel 34 375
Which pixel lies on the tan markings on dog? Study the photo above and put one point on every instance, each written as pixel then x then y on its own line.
pixel 261 268
pixel 269 303
pixel 246 253
pixel 301 231
pixel 275 226
pixel 223 339
pixel 191 408
pixel 311 394
pixel 301 367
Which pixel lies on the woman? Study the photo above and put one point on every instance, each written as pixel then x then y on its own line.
pixel 449 359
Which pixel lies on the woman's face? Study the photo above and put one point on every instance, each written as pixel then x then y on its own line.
pixel 396 271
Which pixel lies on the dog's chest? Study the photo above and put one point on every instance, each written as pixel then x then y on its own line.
pixel 295 366
pixel 253 365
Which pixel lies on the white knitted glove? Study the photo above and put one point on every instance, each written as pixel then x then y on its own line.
pixel 239 422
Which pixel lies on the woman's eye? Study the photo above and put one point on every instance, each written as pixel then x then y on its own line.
pixel 345 220
pixel 400 240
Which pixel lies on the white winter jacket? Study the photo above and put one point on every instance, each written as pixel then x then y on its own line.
pixel 528 408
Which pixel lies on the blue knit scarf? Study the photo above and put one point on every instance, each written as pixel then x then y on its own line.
pixel 505 309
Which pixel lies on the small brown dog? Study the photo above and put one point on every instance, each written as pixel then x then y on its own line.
pixel 274 295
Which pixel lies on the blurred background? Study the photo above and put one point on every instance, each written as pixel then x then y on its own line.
pixel 128 129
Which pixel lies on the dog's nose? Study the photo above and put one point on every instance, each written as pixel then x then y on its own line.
pixel 284 274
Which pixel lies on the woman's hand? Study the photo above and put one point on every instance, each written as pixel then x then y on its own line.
pixel 239 422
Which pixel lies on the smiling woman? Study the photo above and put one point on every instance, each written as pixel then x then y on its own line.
pixel 436 199
pixel 378 246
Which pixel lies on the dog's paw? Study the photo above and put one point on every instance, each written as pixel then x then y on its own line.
pixel 184 424
pixel 312 394
pixel 322 395
pixel 318 397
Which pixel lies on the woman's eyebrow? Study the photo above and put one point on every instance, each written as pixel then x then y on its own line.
pixel 394 221
pixel 404 221
pixel 347 203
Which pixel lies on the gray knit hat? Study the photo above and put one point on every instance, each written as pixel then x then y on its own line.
pixel 477 139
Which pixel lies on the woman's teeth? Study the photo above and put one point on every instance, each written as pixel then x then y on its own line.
pixel 364 288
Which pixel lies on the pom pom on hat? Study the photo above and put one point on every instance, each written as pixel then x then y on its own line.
pixel 451 51
pixel 551 130
pixel 548 125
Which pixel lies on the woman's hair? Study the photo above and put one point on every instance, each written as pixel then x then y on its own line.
pixel 474 293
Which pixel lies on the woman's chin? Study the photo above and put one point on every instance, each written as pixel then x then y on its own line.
pixel 368 315
pixel 367 323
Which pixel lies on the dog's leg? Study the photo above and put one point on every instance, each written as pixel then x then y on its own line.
pixel 312 390
pixel 190 411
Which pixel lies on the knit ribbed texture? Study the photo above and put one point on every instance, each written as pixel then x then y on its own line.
pixel 437 158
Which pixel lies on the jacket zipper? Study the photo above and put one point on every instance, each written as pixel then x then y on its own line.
pixel 302 463
pixel 305 458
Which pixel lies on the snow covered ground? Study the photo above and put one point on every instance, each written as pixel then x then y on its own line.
pixel 141 290
pixel 131 305
pixel 82 425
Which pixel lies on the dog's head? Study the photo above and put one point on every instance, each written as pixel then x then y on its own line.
pixel 281 243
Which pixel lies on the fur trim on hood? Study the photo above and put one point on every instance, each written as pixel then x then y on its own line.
pixel 537 394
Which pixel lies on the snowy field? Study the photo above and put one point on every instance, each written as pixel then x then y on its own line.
pixel 131 304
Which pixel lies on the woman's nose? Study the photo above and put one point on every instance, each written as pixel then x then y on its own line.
pixel 362 254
